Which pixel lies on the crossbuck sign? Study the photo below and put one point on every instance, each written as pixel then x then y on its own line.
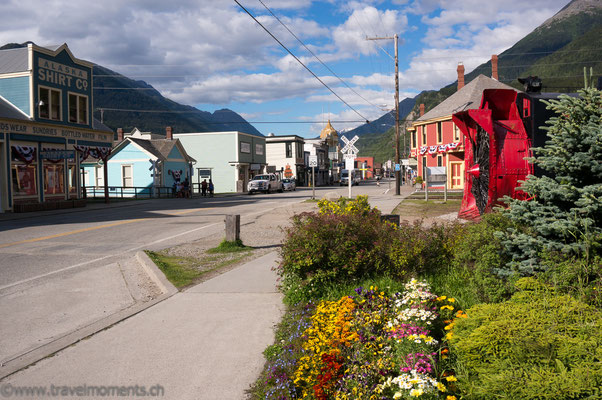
pixel 349 148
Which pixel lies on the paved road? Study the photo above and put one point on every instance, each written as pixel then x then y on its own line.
pixel 67 271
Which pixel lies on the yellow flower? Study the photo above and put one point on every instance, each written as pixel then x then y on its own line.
pixel 451 398
pixel 451 378
pixel 441 387
pixel 416 392
pixel 441 298
pixel 448 307
pixel 451 299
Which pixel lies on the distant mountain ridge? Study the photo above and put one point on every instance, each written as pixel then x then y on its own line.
pixel 153 112
pixel 556 51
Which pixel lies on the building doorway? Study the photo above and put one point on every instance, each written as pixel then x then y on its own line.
pixel 457 175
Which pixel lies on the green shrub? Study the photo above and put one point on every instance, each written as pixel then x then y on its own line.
pixel 537 345
pixel 476 255
pixel 329 249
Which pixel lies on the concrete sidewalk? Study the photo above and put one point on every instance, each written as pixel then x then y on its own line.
pixel 204 343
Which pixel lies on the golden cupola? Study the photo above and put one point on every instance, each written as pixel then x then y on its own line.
pixel 330 134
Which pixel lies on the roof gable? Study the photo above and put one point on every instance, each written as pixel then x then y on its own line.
pixel 467 98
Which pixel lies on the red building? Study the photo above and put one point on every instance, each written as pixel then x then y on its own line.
pixel 366 166
pixel 436 141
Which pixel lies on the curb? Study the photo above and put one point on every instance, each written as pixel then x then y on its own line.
pixel 49 349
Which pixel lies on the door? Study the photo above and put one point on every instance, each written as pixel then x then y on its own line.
pixel 457 175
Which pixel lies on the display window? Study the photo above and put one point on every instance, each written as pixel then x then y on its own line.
pixel 54 178
pixel 24 171
pixel 24 179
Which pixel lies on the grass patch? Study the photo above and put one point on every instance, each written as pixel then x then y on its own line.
pixel 180 271
pixel 427 209
pixel 186 271
pixel 229 247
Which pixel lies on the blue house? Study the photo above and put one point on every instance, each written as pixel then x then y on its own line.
pixel 138 163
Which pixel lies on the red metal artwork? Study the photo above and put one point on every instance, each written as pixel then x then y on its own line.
pixel 497 146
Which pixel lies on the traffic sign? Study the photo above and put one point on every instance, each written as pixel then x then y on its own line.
pixel 349 147
pixel 313 161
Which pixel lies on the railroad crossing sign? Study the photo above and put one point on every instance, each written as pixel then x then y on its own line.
pixel 349 147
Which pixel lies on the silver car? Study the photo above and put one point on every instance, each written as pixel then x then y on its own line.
pixel 289 184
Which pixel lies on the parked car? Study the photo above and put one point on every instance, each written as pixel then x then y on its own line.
pixel 265 183
pixel 355 178
pixel 289 184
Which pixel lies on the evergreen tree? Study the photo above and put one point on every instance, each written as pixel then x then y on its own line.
pixel 564 215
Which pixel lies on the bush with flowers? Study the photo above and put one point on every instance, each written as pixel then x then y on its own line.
pixel 369 345
pixel 346 241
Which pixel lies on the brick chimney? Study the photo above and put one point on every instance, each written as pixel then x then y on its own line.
pixel 421 109
pixel 168 133
pixel 460 75
pixel 494 67
pixel 119 134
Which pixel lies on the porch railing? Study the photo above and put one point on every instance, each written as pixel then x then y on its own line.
pixel 136 192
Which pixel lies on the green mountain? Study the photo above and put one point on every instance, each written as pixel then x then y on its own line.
pixel 556 51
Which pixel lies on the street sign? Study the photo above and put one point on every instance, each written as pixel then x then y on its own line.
pixel 349 155
pixel 349 163
pixel 397 167
pixel 349 147
pixel 313 161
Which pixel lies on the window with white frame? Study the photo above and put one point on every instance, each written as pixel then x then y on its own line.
pixel 423 134
pixel 100 175
pixel 439 132
pixel 289 150
pixel 78 108
pixel 49 103
pixel 456 133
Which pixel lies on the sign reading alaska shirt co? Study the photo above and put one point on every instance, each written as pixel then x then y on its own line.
pixel 63 75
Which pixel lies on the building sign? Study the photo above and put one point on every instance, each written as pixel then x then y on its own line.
pixel 62 75
pixel 30 129
pixel 57 154
pixel 259 149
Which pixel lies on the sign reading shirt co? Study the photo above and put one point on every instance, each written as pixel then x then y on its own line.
pixel 62 75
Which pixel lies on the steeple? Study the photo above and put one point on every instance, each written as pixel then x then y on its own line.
pixel 330 134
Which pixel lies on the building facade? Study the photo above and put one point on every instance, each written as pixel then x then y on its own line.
pixel 318 147
pixel 285 153
pixel 230 158
pixel 436 141
pixel 366 166
pixel 46 127
pixel 143 162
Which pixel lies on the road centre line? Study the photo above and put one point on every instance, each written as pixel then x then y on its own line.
pixel 101 258
pixel 118 254
pixel 92 228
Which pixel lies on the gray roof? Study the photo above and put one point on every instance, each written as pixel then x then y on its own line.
pixel 8 110
pixel 469 97
pixel 160 148
pixel 99 126
pixel 13 60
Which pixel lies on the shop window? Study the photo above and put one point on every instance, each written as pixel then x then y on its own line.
pixel 439 132
pixel 50 103
pixel 126 174
pixel 78 109
pixel 289 150
pixel 54 178
pixel 24 170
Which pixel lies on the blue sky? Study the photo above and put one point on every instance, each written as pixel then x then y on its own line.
pixel 212 55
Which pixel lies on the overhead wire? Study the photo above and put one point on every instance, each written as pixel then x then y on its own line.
pixel 300 62
pixel 315 56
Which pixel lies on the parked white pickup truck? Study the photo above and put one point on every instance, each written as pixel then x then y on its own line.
pixel 265 183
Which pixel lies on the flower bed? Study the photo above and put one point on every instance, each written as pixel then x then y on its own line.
pixel 366 346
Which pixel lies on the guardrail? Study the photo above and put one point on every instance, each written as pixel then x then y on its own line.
pixel 136 192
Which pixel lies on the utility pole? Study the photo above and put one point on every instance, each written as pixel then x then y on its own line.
pixel 397 160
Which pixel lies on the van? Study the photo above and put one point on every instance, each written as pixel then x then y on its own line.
pixel 355 178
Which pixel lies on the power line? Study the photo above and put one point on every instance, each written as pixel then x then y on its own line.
pixel 299 61
pixel 316 57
